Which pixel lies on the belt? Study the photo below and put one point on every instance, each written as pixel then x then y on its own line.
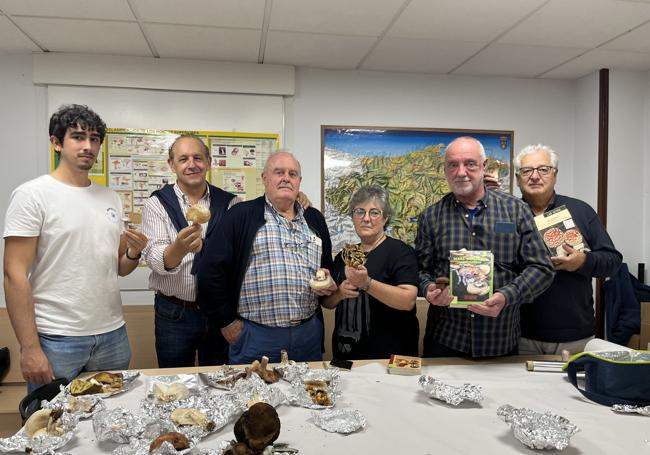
pixel 298 322
pixel 177 301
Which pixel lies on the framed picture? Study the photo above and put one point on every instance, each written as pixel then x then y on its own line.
pixel 409 162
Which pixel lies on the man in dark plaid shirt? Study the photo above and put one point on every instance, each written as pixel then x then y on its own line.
pixel 475 218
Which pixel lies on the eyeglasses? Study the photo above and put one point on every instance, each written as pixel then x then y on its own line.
pixel 361 213
pixel 541 170
pixel 470 165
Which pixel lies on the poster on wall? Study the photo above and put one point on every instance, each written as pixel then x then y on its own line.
pixel 408 162
pixel 133 162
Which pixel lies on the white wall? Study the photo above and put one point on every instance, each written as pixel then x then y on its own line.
pixel 537 110
pixel 585 152
pixel 627 173
pixel 645 151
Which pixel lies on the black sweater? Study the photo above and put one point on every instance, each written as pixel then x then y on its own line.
pixel 565 311
pixel 225 261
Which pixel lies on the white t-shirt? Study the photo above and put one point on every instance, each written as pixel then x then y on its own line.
pixel 74 275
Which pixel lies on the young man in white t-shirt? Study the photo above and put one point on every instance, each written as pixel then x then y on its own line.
pixel 64 249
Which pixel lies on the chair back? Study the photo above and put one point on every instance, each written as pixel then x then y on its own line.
pixel 32 402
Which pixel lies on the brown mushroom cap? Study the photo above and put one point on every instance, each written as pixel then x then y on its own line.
pixel 258 427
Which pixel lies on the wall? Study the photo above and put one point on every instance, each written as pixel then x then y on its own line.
pixel 537 110
pixel 627 204
pixel 562 114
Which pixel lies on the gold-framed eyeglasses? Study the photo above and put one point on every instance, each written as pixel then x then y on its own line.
pixel 541 170
pixel 360 213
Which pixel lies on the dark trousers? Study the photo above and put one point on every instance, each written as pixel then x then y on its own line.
pixel 433 348
pixel 182 332
pixel 302 342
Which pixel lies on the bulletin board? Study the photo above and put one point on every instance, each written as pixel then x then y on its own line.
pixel 133 162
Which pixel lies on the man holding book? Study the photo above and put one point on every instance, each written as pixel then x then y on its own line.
pixel 478 219
pixel 562 317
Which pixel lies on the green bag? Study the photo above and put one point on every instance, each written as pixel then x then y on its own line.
pixel 617 377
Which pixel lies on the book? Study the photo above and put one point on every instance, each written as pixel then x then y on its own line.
pixel 557 228
pixel 471 275
pixel 403 364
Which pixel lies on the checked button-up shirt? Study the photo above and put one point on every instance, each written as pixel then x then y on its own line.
pixel 504 225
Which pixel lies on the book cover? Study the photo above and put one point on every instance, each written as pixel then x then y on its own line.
pixel 557 228
pixel 471 275
pixel 403 364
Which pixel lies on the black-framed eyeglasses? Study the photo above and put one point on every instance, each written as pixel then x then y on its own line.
pixel 361 213
pixel 541 170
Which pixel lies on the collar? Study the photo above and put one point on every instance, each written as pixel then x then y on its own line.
pixel 297 208
pixel 179 194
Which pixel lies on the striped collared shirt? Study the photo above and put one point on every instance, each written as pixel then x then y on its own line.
pixel 504 225
pixel 285 255
pixel 156 225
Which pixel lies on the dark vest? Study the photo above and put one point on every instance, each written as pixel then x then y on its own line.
pixel 219 201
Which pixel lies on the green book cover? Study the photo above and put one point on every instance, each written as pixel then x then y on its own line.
pixel 471 276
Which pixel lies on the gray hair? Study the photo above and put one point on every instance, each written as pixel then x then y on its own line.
pixel 468 138
pixel 370 192
pixel 534 149
pixel 277 152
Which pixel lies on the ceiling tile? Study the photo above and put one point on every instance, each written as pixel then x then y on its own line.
pixel 86 9
pixel 87 36
pixel 322 51
pixel 516 61
pixel 637 41
pixel 597 59
pixel 12 39
pixel 221 13
pixel 337 17
pixel 187 41
pixel 467 20
pixel 422 56
pixel 578 23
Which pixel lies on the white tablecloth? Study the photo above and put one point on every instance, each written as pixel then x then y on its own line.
pixel 403 420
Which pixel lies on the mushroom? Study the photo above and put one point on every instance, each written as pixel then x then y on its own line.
pixel 258 427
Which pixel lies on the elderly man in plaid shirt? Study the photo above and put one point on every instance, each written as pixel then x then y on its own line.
pixel 475 218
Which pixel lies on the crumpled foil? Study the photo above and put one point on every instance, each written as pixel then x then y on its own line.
pixel 253 389
pixel 188 380
pixel 624 356
pixel 277 448
pixel 95 402
pixel 121 425
pixel 300 397
pixel 628 408
pixel 536 430
pixel 225 378
pixel 20 442
pixel 140 446
pixel 128 377
pixel 291 370
pixel 339 420
pixel 452 395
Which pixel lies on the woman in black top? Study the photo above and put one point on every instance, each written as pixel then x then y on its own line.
pixel 375 303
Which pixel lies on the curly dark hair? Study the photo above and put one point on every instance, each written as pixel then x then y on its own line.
pixel 73 116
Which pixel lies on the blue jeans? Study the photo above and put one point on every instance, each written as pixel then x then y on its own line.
pixel 181 332
pixel 303 342
pixel 71 355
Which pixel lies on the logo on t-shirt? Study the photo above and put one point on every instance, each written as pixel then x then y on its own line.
pixel 111 214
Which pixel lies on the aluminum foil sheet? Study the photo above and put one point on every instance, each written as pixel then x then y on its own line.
pixel 21 442
pixel 291 370
pixel 536 430
pixel 128 377
pixel 626 408
pixel 625 356
pixel 84 406
pixel 339 420
pixel 121 425
pixel 252 389
pixel 188 380
pixel 299 396
pixel 225 378
pixel 452 395
pixel 279 448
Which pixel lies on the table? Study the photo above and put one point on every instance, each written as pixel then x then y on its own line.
pixel 403 420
